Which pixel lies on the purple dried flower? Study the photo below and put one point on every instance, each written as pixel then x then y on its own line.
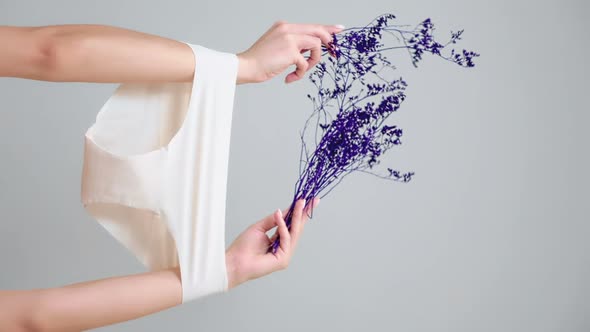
pixel 346 131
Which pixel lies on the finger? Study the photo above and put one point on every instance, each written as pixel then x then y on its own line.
pixel 335 28
pixel 285 243
pixel 274 236
pixel 315 30
pixel 296 222
pixel 315 56
pixel 276 233
pixel 302 65
pixel 268 222
pixel 314 45
pixel 305 42
pixel 279 22
pixel 324 32
pixel 285 211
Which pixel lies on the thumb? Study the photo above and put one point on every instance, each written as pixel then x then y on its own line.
pixel 266 224
pixel 336 28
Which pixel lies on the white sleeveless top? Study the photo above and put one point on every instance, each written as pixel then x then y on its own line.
pixel 155 171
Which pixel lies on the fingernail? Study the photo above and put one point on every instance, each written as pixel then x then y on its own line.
pixel 304 202
pixel 339 26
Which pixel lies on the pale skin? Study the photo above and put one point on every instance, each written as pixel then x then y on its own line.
pixel 105 54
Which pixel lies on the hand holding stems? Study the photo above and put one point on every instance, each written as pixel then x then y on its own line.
pixel 248 258
pixel 107 301
pixel 281 46
pixel 107 54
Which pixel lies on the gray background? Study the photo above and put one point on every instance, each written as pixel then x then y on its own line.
pixel 491 235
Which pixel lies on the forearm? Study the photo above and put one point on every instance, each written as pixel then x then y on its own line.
pixel 107 54
pixel 98 53
pixel 92 304
pixel 97 303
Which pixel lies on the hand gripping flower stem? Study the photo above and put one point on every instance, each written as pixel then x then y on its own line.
pixel 347 130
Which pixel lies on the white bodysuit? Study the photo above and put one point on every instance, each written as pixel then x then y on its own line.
pixel 155 171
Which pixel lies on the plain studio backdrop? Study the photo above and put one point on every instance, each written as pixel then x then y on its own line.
pixel 492 234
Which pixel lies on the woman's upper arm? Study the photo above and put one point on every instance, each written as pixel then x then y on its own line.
pixel 24 51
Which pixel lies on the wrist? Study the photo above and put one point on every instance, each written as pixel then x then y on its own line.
pixel 244 70
pixel 231 266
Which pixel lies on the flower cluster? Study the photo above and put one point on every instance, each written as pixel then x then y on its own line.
pixel 347 130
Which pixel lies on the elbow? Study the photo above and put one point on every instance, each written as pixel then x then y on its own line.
pixel 19 312
pixel 52 54
pixel 27 326
pixel 32 323
pixel 36 318
pixel 43 57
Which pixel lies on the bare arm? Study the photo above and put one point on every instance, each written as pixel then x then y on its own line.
pixel 106 54
pixel 90 304
pixel 103 302
pixel 92 53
